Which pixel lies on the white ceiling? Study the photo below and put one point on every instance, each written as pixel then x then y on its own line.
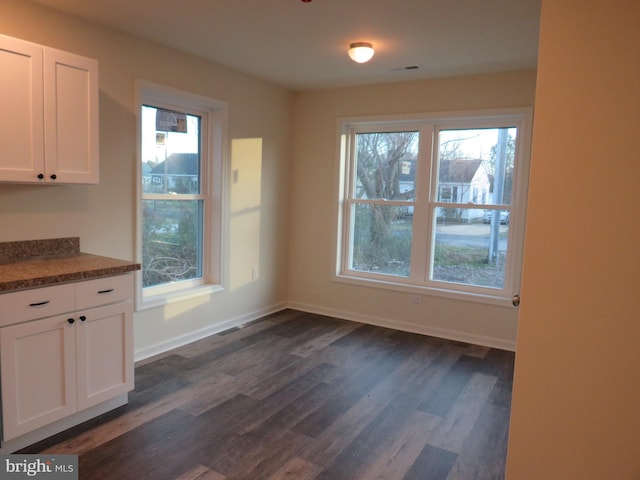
pixel 303 45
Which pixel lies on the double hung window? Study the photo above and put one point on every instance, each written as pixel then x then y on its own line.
pixel 434 204
pixel 180 184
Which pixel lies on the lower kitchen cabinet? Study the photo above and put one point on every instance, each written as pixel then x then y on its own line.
pixel 104 354
pixel 38 374
pixel 56 366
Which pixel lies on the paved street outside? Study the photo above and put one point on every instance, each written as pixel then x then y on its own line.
pixel 470 235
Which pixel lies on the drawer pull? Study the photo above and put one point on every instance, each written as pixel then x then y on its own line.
pixel 71 320
pixel 82 318
pixel 39 304
pixel 103 292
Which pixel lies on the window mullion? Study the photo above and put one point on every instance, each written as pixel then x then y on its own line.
pixel 421 217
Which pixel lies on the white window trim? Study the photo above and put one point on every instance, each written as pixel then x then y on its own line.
pixel 214 173
pixel 520 117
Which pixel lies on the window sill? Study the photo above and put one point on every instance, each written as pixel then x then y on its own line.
pixel 412 289
pixel 155 301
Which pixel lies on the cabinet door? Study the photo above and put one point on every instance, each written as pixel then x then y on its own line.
pixel 71 117
pixel 104 342
pixel 38 374
pixel 21 104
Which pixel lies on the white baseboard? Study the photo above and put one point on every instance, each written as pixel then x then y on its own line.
pixel 492 342
pixel 217 327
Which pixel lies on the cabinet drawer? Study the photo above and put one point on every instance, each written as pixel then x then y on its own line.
pixel 102 291
pixel 37 303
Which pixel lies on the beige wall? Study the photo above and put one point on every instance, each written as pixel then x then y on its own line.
pixel 103 216
pixel 576 401
pixel 313 205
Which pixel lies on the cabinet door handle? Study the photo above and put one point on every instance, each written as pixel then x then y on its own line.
pixel 41 176
pixel 71 320
pixel 82 318
pixel 39 304
pixel 53 176
pixel 103 292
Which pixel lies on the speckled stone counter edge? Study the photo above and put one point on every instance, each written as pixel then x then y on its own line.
pixel 39 263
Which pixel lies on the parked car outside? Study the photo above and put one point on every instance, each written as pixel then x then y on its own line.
pixel 504 216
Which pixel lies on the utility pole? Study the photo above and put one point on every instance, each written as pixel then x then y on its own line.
pixel 498 194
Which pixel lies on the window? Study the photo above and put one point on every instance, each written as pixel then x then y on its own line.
pixel 180 182
pixel 435 205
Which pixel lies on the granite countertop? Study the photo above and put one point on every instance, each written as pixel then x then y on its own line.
pixel 39 263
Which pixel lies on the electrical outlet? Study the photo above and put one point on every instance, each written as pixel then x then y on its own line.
pixel 254 273
pixel 415 298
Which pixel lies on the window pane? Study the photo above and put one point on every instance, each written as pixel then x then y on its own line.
pixel 470 253
pixel 381 240
pixel 476 165
pixel 171 245
pixel 386 165
pixel 170 159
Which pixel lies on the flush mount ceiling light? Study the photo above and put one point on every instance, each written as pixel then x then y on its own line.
pixel 360 52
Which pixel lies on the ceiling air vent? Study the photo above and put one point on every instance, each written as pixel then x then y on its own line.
pixel 408 67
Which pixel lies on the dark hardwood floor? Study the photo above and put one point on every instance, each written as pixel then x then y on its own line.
pixel 302 396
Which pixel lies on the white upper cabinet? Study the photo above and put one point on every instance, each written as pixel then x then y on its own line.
pixel 71 117
pixel 21 104
pixel 49 124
